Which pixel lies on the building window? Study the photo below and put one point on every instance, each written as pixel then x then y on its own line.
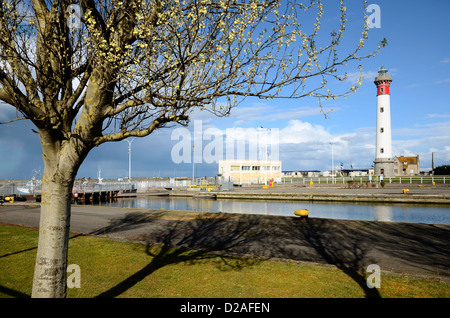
pixel 381 130
pixel 381 150
pixel 381 89
pixel 235 168
pixel 265 168
pixel 277 168
pixel 381 109
pixel 256 168
pixel 245 168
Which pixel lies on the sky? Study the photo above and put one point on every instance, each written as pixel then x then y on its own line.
pixel 417 57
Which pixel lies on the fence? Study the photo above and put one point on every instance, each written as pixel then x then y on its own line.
pixel 24 187
pixel 103 187
pixel 144 186
pixel 343 180
pixel 12 188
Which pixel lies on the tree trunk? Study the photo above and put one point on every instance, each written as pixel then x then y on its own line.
pixel 61 164
pixel 51 260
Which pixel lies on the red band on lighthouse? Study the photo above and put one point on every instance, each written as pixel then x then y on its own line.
pixel 383 88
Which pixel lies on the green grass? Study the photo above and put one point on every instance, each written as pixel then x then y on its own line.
pixel 120 269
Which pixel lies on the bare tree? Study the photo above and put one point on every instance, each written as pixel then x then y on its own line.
pixel 125 68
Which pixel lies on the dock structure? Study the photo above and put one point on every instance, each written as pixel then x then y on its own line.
pixel 102 191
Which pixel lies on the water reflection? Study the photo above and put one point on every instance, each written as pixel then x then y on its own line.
pixel 434 214
pixel 383 212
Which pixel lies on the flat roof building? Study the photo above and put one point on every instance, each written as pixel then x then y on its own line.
pixel 250 171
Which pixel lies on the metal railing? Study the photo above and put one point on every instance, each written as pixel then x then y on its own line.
pixel 79 187
pixel 343 180
pixel 13 188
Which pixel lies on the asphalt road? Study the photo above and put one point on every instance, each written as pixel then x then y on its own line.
pixel 417 250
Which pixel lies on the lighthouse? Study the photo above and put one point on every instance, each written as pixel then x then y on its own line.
pixel 384 162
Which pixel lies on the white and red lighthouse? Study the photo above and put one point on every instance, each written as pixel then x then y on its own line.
pixel 384 162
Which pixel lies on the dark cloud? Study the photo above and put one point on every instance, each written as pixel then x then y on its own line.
pixel 20 150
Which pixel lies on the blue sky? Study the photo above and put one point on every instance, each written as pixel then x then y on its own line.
pixel 417 58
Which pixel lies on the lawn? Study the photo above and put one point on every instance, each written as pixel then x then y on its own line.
pixel 122 269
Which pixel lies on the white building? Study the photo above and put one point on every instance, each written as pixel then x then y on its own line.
pixel 250 171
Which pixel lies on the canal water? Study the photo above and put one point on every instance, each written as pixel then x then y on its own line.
pixel 413 213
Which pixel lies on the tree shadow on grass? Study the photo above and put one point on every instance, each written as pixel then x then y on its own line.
pixel 337 245
pixel 14 293
pixel 188 241
pixel 251 236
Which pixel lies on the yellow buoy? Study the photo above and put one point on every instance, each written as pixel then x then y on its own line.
pixel 302 212
pixel 9 199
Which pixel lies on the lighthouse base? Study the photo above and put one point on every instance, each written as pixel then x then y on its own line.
pixel 385 167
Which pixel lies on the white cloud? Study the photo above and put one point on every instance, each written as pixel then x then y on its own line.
pixel 367 76
pixel 298 132
pixel 305 146
pixel 259 113
pixel 354 76
pixel 445 80
pixel 437 115
pixel 445 60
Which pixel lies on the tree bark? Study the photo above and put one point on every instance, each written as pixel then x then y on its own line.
pixel 61 164
pixel 51 259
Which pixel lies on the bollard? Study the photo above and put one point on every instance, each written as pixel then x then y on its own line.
pixel 303 214
pixel 9 199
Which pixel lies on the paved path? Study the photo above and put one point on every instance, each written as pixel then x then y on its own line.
pixel 414 249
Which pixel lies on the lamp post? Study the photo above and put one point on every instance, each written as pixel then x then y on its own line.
pixel 193 165
pixel 129 157
pixel 332 164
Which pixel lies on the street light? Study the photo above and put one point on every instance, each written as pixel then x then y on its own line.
pixel 332 164
pixel 129 157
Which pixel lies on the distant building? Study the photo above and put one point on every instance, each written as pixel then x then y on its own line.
pixel 406 166
pixel 301 173
pixel 356 172
pixel 250 171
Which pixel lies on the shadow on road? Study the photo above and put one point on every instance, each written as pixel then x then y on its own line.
pixel 326 242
